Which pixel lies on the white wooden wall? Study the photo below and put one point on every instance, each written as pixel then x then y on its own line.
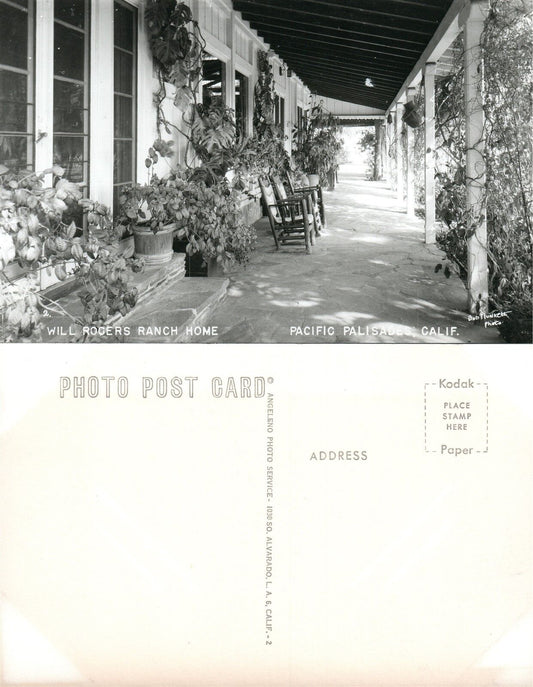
pixel 227 37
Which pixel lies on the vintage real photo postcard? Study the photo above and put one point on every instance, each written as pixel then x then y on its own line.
pixel 247 171
pixel 297 173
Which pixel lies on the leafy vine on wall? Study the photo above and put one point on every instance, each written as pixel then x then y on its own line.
pixel 507 49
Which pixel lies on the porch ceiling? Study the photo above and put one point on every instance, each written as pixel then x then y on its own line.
pixel 335 45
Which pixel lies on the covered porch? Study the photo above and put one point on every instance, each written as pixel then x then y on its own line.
pixel 370 279
pixel 436 248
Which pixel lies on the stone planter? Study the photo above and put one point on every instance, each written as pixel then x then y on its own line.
pixel 156 249
pixel 314 179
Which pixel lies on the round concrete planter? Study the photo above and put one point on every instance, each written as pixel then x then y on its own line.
pixel 314 179
pixel 156 249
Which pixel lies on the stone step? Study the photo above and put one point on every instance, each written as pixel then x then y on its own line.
pixel 168 303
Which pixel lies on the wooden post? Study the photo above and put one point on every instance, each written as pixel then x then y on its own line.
pixel 390 144
pixel 473 17
pixel 377 151
pixel 399 156
pixel 429 151
pixel 410 191
pixel 230 65
pixel 383 170
pixel 386 152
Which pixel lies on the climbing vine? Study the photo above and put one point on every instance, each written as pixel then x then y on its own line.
pixel 267 143
pixel 177 46
pixel 507 49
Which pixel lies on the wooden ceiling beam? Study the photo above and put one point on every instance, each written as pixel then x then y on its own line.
pixel 351 48
pixel 351 9
pixel 353 74
pixel 241 5
pixel 290 31
pixel 367 69
pixel 292 22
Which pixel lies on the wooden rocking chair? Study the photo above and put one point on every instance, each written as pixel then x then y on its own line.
pixel 309 194
pixel 290 219
pixel 317 190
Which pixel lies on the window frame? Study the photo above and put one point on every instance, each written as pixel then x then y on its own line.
pixel 30 74
pixel 86 82
pixel 134 9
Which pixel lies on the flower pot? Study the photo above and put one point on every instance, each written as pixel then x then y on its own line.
pixel 156 249
pixel 314 179
pixel 411 116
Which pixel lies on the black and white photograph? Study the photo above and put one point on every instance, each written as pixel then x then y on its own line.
pixel 285 174
pixel 265 171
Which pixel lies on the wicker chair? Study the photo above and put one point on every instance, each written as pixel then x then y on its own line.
pixel 318 195
pixel 290 219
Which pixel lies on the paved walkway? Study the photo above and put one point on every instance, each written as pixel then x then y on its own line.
pixel 369 279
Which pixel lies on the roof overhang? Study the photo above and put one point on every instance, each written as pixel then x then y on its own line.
pixel 359 51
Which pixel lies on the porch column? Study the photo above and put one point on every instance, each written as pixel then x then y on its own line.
pixel 383 130
pixel 230 65
pixel 473 17
pixel 429 150
pixel 377 151
pixel 410 191
pixel 386 151
pixel 399 156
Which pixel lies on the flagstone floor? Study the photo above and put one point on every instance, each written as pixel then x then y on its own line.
pixel 369 279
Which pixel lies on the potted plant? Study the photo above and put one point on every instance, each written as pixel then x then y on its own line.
pixel 317 145
pixel 144 212
pixel 411 115
pixel 208 219
pixel 147 210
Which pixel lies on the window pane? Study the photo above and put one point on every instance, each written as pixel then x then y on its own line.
pixel 125 76
pixel 68 107
pixel 13 96
pixel 124 27
pixel 123 117
pixel 14 41
pixel 14 151
pixel 123 167
pixel 70 11
pixel 68 152
pixel 241 101
pixel 123 72
pixel 69 52
pixel 212 81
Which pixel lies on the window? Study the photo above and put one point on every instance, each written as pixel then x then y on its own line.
pixel 279 110
pixel 71 88
pixel 213 81
pixel 299 122
pixel 125 89
pixel 241 103
pixel 16 83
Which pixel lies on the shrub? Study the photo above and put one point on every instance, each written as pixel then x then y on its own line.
pixel 34 236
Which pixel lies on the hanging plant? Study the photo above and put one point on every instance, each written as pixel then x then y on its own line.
pixel 411 116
